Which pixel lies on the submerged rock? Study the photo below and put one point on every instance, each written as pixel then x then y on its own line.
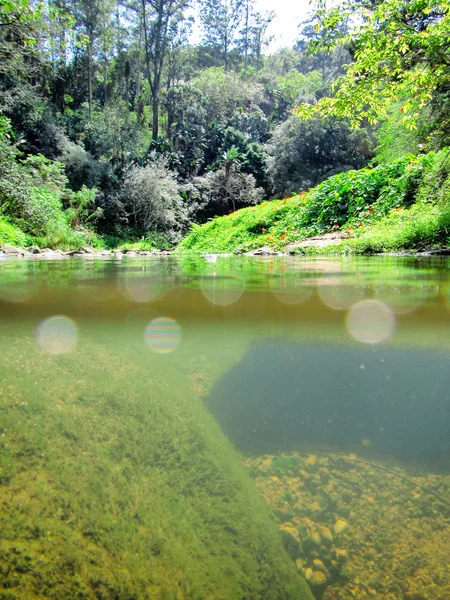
pixel 340 526
pixel 325 534
pixel 317 579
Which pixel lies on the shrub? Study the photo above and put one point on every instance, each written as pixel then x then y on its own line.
pixel 11 234
pixel 227 189
pixel 153 198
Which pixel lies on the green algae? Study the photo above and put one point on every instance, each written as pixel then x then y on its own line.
pixel 115 486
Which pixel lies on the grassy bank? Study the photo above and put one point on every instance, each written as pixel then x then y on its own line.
pixel 403 205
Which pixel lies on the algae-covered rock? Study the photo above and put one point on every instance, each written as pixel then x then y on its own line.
pixel 325 534
pixel 116 489
pixel 317 579
pixel 340 526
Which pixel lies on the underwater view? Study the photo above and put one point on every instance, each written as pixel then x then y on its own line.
pixel 230 428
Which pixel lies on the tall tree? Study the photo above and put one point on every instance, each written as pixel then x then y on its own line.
pixel 19 56
pixel 221 20
pixel 93 19
pixel 161 22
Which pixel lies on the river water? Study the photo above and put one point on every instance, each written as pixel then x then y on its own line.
pixel 162 418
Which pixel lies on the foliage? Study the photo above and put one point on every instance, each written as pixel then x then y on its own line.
pixel 400 54
pixel 32 193
pixel 297 87
pixel 352 201
pixel 224 92
pixel 227 189
pixel 423 226
pixel 303 153
pixel 11 234
pixel 154 201
pixel 395 139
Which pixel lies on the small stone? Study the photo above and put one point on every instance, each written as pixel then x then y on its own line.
pixel 341 554
pixel 299 564
pixel 315 537
pixel 308 573
pixel 317 579
pixel 340 526
pixel 325 534
pixel 311 460
pixel 315 506
pixel 319 566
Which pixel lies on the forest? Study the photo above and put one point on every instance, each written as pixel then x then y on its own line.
pixel 117 130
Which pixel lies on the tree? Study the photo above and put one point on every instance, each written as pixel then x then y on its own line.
pixel 227 188
pixel 221 20
pixel 401 53
pixel 153 198
pixel 19 56
pixel 161 21
pixel 301 154
pixel 92 18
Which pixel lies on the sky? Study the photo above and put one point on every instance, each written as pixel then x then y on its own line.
pixel 284 27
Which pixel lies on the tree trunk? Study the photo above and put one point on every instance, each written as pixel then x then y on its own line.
pixel 90 79
pixel 106 83
pixel 155 120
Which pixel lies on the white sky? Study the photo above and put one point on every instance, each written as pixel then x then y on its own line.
pixel 284 27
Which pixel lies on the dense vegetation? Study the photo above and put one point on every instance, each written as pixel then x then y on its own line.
pixel 115 128
pixel 400 205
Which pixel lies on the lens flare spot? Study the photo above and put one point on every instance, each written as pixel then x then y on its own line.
pixel 57 335
pixel 19 291
pixel 291 290
pixel 222 290
pixel 370 321
pixel 142 289
pixel 339 296
pixel 162 335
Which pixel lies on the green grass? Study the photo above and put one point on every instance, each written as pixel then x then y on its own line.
pixel 396 206
pixel 421 227
pixel 11 234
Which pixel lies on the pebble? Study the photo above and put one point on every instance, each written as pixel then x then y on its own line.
pixel 325 534
pixel 317 579
pixel 340 526
pixel 319 566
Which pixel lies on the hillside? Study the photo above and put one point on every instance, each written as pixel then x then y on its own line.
pixel 402 205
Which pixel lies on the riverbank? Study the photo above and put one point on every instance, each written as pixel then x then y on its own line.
pixel 400 207
pixel 6 250
pixel 396 207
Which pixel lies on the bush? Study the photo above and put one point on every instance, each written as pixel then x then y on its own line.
pixel 303 153
pixel 11 234
pixel 225 190
pixel 153 198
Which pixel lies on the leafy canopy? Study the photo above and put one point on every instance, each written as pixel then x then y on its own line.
pixel 401 53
